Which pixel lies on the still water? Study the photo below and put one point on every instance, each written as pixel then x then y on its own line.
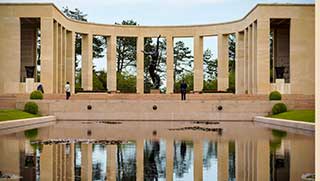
pixel 156 151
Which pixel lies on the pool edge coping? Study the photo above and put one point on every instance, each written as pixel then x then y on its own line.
pixel 286 123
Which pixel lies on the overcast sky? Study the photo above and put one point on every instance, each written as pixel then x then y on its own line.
pixel 164 12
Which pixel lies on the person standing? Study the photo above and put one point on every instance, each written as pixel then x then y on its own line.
pixel 183 89
pixel 40 88
pixel 68 90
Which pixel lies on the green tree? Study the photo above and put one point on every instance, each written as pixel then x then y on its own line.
pixel 98 42
pixel 210 65
pixel 183 60
pixel 126 49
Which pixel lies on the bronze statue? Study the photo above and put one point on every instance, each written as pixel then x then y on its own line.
pixel 153 65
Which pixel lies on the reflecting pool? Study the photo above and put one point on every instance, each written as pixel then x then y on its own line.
pixel 156 151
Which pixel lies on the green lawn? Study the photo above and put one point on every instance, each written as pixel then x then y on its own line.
pixel 15 114
pixel 298 115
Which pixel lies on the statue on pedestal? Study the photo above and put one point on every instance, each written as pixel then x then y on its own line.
pixel 153 65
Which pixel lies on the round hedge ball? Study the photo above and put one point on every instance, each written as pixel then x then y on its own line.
pixel 275 95
pixel 279 108
pixel 31 107
pixel 36 95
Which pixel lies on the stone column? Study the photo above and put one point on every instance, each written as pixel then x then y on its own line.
pixel 46 162
pixel 250 59
pixel 223 160
pixel 263 56
pixel 60 57
pixel 64 60
pixel 112 63
pixel 140 160
pixel 240 64
pixel 254 58
pixel 170 66
pixel 70 163
pixel 198 64
pixel 56 57
pixel 317 89
pixel 70 61
pixel 47 54
pixel 10 51
pixel 198 160
pixel 223 62
pixel 86 68
pixel 246 87
pixel 111 163
pixel 86 161
pixel 169 160
pixel 140 65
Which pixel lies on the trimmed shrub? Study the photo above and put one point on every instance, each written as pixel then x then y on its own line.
pixel 279 108
pixel 36 95
pixel 275 95
pixel 31 107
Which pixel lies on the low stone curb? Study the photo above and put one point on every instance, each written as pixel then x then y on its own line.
pixel 286 123
pixel 29 122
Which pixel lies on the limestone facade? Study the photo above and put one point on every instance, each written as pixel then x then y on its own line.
pixel 252 52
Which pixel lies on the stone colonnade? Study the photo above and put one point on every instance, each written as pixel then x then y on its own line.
pixel 252 76
pixel 252 158
pixel 252 49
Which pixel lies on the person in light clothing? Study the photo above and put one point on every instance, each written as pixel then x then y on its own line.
pixel 68 90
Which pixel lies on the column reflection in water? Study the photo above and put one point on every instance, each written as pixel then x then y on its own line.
pixel 210 161
pixel 99 162
pixel 126 161
pixel 232 161
pixel 154 160
pixel 77 161
pixel 183 160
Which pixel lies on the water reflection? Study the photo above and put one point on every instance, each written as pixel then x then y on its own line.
pixel 268 155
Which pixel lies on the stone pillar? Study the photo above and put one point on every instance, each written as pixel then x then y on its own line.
pixel 317 89
pixel 70 163
pixel 246 87
pixel 56 57
pixel 198 64
pixel 86 161
pixel 254 58
pixel 170 66
pixel 64 59
pixel 169 160
pixel 240 64
pixel 250 59
pixel 60 58
pixel 223 62
pixel 111 162
pixel 10 51
pixel 70 61
pixel 223 160
pixel 29 85
pixel 112 63
pixel 263 160
pixel 140 65
pixel 86 67
pixel 47 55
pixel 198 160
pixel 140 160
pixel 263 56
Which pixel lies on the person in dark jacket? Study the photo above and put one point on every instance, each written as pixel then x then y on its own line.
pixel 40 88
pixel 183 89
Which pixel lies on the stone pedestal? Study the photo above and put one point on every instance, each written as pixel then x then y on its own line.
pixel 154 91
pixel 29 85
